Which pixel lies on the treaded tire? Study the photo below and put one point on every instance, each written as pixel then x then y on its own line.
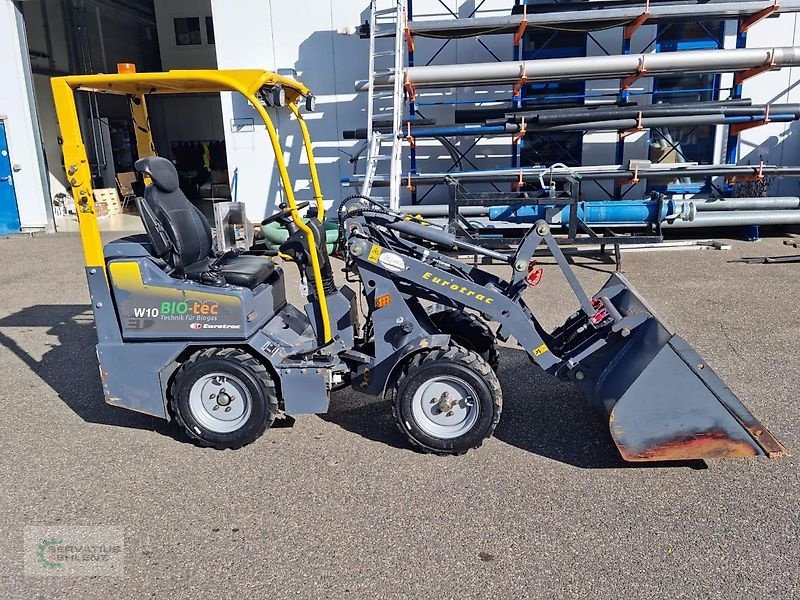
pixel 469 331
pixel 455 363
pixel 260 387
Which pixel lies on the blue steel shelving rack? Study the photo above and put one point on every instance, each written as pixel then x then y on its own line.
pixel 518 94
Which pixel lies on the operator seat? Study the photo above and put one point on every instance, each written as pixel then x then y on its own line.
pixel 181 235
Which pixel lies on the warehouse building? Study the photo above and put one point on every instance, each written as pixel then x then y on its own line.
pixel 220 150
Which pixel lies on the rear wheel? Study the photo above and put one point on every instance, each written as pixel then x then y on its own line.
pixel 447 401
pixel 468 331
pixel 223 398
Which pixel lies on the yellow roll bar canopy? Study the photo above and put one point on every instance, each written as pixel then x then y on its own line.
pixel 254 84
pixel 246 81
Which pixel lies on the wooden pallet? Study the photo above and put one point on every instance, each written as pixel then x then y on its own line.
pixel 106 202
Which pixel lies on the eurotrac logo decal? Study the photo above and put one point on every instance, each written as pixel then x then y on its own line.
pixel 213 326
pixel 458 288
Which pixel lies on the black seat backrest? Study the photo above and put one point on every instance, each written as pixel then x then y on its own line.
pixel 187 230
pixel 152 225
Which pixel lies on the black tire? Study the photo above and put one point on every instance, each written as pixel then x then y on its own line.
pixel 246 376
pixel 470 332
pixel 460 367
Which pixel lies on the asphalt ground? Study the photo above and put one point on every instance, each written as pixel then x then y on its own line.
pixel 339 506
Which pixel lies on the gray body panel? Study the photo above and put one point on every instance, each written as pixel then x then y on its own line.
pixel 138 354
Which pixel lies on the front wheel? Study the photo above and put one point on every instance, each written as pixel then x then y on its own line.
pixel 447 401
pixel 223 398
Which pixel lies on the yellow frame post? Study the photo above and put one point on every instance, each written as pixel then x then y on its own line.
pixel 287 188
pixel 312 165
pixel 141 126
pixel 78 172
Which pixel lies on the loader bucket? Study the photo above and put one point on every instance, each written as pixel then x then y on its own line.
pixel 662 400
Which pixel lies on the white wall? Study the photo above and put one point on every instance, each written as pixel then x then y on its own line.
pixel 201 56
pixel 16 107
pixel 272 37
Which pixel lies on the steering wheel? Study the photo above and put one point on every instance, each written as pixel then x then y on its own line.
pixel 284 214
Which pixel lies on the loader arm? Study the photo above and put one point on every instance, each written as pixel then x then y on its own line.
pixel 662 400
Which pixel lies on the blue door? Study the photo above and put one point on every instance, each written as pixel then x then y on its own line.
pixel 9 215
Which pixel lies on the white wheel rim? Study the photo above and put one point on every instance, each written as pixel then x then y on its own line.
pixel 220 402
pixel 445 407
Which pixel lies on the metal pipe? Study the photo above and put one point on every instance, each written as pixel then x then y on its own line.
pixel 442 210
pixel 739 217
pixel 585 113
pixel 591 173
pixel 609 125
pixel 627 212
pixel 446 144
pixel 727 204
pixel 634 214
pixel 594 67
pixel 633 111
pixel 648 123
pixel 429 132
pixel 595 14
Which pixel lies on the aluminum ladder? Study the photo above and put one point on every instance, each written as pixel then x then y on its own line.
pixel 383 147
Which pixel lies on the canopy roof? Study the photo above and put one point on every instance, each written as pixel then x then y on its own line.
pixel 245 81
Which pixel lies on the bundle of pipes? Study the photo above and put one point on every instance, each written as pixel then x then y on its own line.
pixel 594 67
pixel 587 173
pixel 729 212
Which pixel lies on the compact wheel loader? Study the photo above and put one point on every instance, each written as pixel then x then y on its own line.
pixel 208 340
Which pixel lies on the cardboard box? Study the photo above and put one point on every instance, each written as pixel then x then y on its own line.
pixel 109 198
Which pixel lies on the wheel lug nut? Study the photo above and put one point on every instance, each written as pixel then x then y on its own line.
pixel 449 414
pixel 227 409
pixel 216 406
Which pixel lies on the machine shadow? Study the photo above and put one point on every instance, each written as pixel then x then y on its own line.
pixel 541 415
pixel 70 366
pixel 367 416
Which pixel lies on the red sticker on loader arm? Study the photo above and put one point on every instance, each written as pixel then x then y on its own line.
pixel 535 275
